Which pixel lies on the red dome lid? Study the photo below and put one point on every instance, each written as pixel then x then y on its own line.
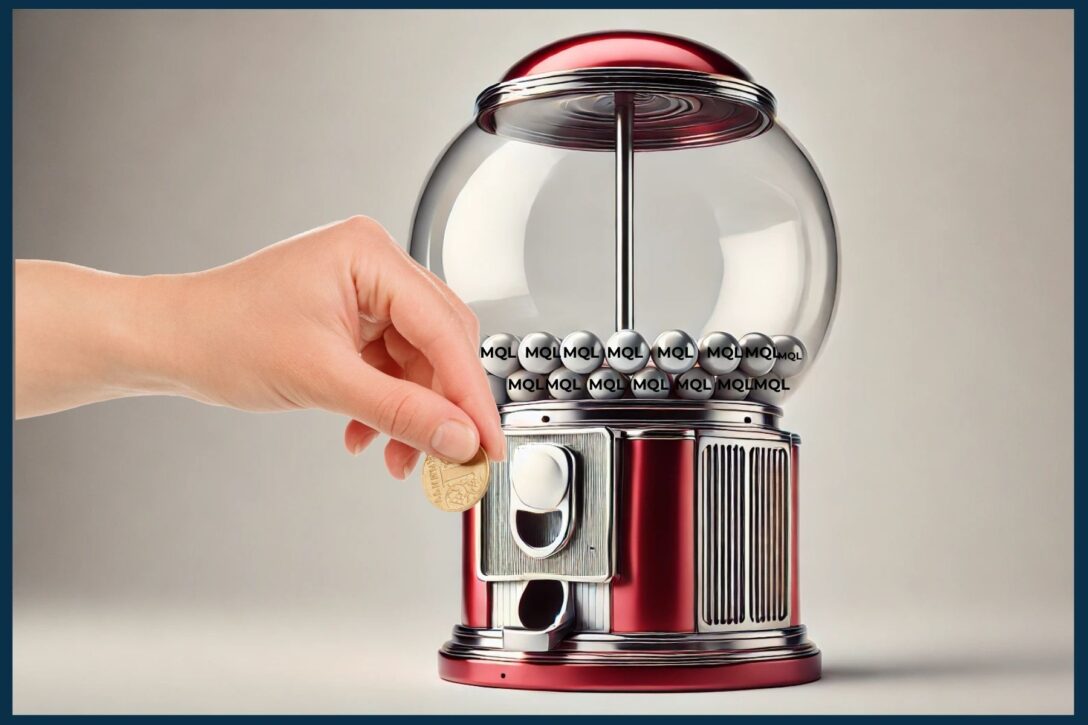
pixel 683 94
pixel 626 49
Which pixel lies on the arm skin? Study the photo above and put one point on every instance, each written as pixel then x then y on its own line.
pixel 338 318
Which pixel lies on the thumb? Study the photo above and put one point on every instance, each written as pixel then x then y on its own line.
pixel 403 410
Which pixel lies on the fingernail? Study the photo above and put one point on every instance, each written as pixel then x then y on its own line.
pixel 357 448
pixel 454 441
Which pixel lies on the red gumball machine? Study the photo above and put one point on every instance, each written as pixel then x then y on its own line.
pixel 654 263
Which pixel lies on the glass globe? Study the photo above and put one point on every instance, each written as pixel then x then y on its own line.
pixel 737 237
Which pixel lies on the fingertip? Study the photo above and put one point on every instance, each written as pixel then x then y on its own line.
pixel 498 437
pixel 357 437
pixel 410 464
pixel 496 447
pixel 396 470
pixel 400 459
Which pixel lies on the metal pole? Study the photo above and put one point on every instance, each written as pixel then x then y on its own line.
pixel 625 220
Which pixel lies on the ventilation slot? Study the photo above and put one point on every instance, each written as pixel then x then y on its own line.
pixel 722 499
pixel 768 522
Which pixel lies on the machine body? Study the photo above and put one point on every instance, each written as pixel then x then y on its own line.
pixel 681 572
pixel 641 534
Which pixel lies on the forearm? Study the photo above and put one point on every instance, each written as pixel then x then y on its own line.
pixel 82 336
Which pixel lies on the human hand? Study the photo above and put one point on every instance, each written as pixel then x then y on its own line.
pixel 339 318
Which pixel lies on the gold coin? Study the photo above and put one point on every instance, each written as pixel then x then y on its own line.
pixel 456 486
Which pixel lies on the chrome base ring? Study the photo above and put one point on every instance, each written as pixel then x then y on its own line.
pixel 635 662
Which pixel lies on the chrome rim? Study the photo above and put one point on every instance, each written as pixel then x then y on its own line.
pixel 649 418
pixel 673 108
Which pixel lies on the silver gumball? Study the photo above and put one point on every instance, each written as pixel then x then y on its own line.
pixel 627 351
pixel 771 389
pixel 498 389
pixel 695 384
pixel 606 384
pixel 757 354
pixel 499 355
pixel 650 383
pixel 731 386
pixel 581 352
pixel 719 353
pixel 790 356
pixel 539 353
pixel 674 352
pixel 524 387
pixel 564 384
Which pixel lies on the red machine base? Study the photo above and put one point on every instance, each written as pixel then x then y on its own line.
pixel 629 678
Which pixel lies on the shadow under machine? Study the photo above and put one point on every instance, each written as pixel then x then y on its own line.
pixel 654 264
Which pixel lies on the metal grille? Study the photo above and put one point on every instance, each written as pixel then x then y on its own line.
pixel 744 535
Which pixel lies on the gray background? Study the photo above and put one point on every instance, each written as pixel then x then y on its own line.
pixel 174 557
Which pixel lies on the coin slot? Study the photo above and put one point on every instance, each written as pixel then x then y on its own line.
pixel 541 603
pixel 539 530
pixel 541 475
pixel 542 498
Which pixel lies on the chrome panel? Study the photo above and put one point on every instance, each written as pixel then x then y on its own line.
pixel 589 555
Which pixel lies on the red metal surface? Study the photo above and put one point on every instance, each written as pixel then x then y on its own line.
pixel 795 579
pixel 628 678
pixel 654 587
pixel 475 595
pixel 626 49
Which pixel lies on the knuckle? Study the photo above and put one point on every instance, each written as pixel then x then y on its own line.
pixel 358 222
pixel 370 228
pixel 397 414
pixel 360 229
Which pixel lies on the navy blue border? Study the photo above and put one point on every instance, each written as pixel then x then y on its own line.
pixel 1079 297
pixel 1079 28
pixel 596 5
pixel 9 323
